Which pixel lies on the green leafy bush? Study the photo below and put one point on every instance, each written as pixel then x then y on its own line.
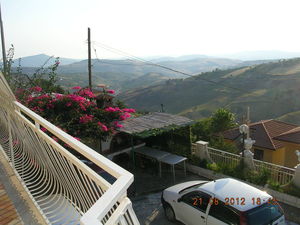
pixel 198 162
pixel 260 177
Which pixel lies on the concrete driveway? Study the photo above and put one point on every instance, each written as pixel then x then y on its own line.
pixel 149 210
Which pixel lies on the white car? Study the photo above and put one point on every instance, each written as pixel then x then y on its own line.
pixel 223 201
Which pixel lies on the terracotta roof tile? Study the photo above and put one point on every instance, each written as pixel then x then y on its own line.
pixel 290 136
pixel 266 133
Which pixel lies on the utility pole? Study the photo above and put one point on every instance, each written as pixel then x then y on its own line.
pixel 89 59
pixel 3 44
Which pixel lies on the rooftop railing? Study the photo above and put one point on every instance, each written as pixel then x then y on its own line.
pixel 63 188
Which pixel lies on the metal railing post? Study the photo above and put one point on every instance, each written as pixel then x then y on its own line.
pixel 10 142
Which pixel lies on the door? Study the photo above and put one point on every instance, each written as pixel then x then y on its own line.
pixel 191 208
pixel 221 214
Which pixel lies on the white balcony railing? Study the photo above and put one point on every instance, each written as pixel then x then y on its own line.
pixel 64 189
pixel 280 174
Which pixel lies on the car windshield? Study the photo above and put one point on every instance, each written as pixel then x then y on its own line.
pixel 264 214
pixel 191 188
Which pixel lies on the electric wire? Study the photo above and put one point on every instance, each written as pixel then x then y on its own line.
pixel 147 62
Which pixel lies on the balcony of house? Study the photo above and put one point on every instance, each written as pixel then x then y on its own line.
pixel 62 177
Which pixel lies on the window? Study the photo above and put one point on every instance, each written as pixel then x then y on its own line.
pixel 258 154
pixel 224 213
pixel 264 214
pixel 197 199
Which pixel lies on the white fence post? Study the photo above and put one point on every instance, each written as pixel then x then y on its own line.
pixel 296 179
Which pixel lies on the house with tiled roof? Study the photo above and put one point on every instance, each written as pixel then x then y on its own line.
pixel 275 141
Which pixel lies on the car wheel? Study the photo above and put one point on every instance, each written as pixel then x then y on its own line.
pixel 169 212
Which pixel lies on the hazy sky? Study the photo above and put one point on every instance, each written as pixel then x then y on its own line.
pixel 152 27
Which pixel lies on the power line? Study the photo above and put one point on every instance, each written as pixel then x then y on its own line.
pixel 134 58
pixel 106 61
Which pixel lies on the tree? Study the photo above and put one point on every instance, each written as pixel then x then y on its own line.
pixel 222 120
pixel 44 76
pixel 206 129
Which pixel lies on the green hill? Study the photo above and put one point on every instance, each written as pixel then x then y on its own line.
pixel 293 117
pixel 271 90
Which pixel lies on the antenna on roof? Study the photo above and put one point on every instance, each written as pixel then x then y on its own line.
pixel 248 119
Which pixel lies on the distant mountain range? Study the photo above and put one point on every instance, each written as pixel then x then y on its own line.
pixel 270 89
pixel 259 55
pixel 128 74
pixel 40 60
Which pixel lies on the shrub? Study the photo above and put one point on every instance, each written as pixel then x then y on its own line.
pixel 198 162
pixel 214 167
pixel 275 186
pixel 260 177
pixel 77 114
pixel 291 189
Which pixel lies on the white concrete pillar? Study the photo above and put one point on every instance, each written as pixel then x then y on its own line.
pixel 201 150
pixel 296 179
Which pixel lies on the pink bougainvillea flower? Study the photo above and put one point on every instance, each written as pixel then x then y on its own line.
pixel 82 107
pixel 86 93
pixel 104 128
pixel 122 117
pixel 36 89
pixel 117 124
pixel 129 110
pixel 66 145
pixel 58 96
pixel 43 96
pixel 50 106
pixel 110 109
pixel 55 138
pixel 76 98
pixel 86 118
pixel 110 91
pixel 77 138
pixel 76 88
pixel 125 116
pixel 68 104
pixel 43 129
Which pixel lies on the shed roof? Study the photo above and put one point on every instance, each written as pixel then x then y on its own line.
pixel 156 120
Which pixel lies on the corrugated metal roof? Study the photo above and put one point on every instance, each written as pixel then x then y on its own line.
pixel 154 120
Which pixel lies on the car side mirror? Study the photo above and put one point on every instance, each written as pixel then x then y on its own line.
pixel 179 200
